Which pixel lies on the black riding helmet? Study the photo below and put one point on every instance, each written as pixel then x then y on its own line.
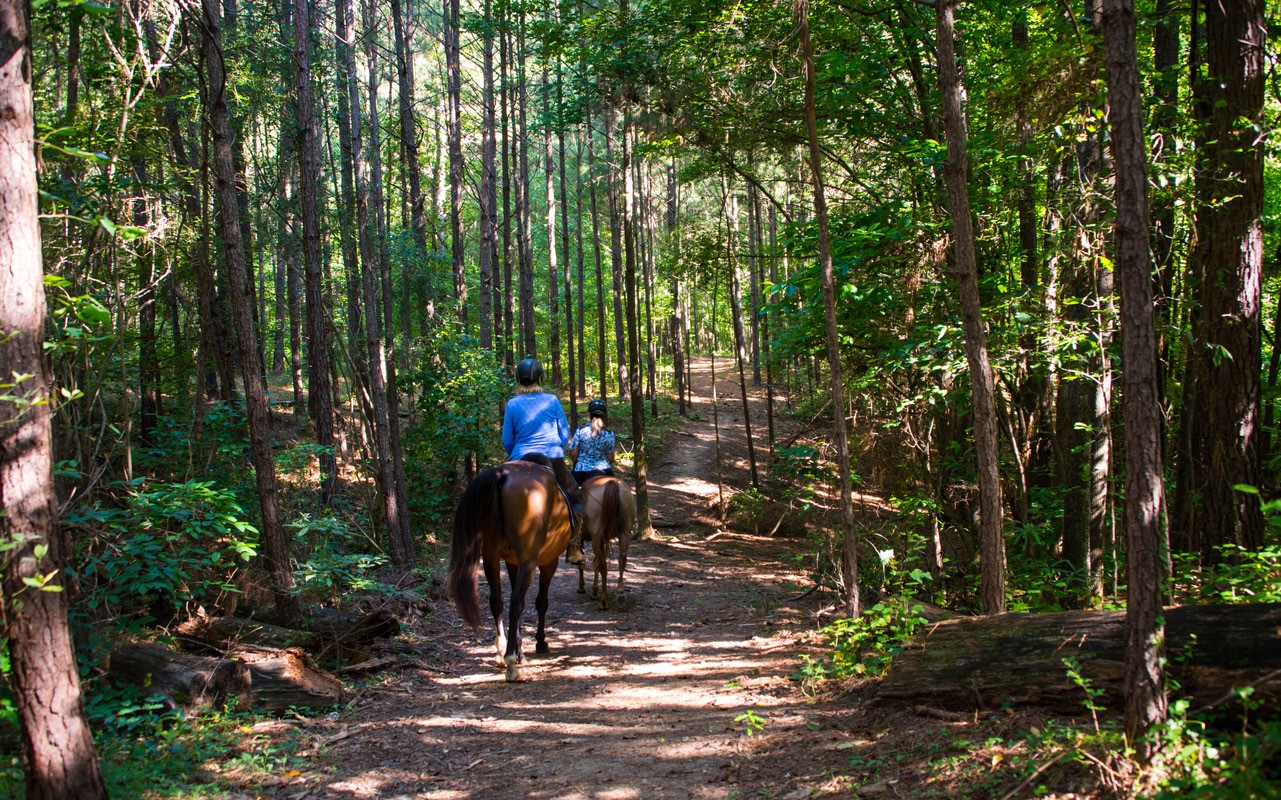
pixel 596 408
pixel 529 372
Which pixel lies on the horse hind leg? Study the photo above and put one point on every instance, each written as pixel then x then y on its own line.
pixel 544 585
pixel 520 578
pixel 494 578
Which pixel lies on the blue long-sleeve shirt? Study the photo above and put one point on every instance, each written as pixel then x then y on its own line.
pixel 535 423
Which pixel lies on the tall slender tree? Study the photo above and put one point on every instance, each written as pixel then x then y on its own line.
pixel 965 270
pixel 1145 703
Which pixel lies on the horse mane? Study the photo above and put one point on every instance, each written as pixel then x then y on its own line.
pixel 479 509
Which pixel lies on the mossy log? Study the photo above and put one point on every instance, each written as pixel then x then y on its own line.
pixel 185 681
pixel 1018 659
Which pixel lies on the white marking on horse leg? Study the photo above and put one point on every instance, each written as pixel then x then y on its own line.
pixel 513 672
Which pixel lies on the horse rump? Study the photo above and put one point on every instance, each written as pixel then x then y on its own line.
pixel 479 510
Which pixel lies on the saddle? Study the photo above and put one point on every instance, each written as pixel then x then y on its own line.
pixel 546 463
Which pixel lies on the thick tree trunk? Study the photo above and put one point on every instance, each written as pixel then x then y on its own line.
pixel 849 536
pixel 57 748
pixel 275 542
pixel 1227 345
pixel 1145 704
pixel 965 270
pixel 319 394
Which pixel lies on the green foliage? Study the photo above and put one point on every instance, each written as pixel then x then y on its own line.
pixel 148 750
pixel 171 543
pixel 333 566
pixel 865 646
pixel 752 721
pixel 1198 760
pixel 462 386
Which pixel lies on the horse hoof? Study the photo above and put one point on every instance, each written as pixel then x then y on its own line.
pixel 541 648
pixel 513 673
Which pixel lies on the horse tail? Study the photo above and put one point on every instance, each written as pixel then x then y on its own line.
pixel 478 510
pixel 609 512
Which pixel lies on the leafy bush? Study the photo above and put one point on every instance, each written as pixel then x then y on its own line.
pixel 170 544
pixel 462 387
pixel 332 566
pixel 864 646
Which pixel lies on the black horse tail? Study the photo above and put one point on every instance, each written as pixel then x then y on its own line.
pixel 479 510
pixel 609 513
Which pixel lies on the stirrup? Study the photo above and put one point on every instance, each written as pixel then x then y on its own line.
pixel 572 551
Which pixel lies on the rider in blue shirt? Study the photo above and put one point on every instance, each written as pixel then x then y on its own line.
pixel 535 429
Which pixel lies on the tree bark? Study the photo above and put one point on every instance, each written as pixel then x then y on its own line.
pixel 453 68
pixel 965 270
pixel 1228 336
pixel 1145 704
pixel 729 206
pixel 616 253
pixel 849 536
pixel 57 749
pixel 488 185
pixel 319 394
pixel 602 359
pixel 275 542
pixel 404 36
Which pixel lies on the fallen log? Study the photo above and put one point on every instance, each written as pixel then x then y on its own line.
pixel 248 675
pixel 288 678
pixel 1018 659
pixel 352 629
pixel 219 633
pixel 185 681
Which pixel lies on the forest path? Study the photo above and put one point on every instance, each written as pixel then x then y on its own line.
pixel 629 704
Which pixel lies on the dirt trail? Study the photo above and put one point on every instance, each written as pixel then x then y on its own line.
pixel 629 704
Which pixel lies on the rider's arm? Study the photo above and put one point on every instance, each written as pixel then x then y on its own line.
pixel 509 430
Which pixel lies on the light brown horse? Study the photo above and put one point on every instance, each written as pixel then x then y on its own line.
pixel 514 514
pixel 609 512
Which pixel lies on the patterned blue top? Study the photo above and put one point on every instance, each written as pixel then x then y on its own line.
pixel 535 423
pixel 593 451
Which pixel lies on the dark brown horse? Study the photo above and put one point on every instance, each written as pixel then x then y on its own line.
pixel 609 512
pixel 514 513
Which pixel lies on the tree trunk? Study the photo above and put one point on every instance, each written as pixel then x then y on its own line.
pixel 275 542
pixel 616 253
pixel 453 32
pixel 965 270
pixel 1227 344
pixel 849 536
pixel 641 464
pixel 602 359
pixel 729 206
pixel 57 748
pixel 553 273
pixel 404 36
pixel 488 187
pixel 529 334
pixel 319 394
pixel 1145 704
pixel 148 363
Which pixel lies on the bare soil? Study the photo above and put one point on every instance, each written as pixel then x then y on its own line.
pixel 687 693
